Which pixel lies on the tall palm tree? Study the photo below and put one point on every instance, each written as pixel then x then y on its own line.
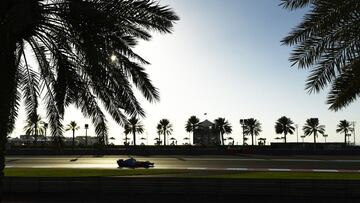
pixel 192 124
pixel 223 127
pixel 134 126
pixel 252 127
pixel 35 127
pixel 284 125
pixel 312 127
pixel 326 41
pixel 344 127
pixel 73 126
pixel 73 42
pixel 164 127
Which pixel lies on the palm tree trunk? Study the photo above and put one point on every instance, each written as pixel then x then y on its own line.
pixel 164 138
pixel 190 137
pixel 134 137
pixel 285 137
pixel 86 138
pixel 314 137
pixel 345 136
pixel 7 84
pixel 45 136
pixel 252 138
pixel 73 139
pixel 222 138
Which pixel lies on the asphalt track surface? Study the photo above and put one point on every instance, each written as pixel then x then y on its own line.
pixel 240 163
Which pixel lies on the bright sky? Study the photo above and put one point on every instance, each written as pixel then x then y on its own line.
pixel 225 59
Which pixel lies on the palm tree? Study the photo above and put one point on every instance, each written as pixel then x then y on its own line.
pixel 344 127
pixel 164 127
pixel 312 127
pixel 192 124
pixel 252 127
pixel 73 42
pixel 73 126
pixel 284 125
pixel 134 126
pixel 35 127
pixel 222 126
pixel 326 41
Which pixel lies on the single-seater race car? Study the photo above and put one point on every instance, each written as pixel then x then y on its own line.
pixel 133 163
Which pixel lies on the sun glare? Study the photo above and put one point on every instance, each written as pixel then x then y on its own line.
pixel 113 58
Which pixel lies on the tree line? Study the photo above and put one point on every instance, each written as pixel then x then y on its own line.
pixel 251 128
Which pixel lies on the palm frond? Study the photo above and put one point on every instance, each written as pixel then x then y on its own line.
pixel 295 4
pixel 29 83
pixel 327 42
pixel 346 88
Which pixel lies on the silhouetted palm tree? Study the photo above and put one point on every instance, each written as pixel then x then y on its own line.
pixel 344 127
pixel 312 127
pixel 252 127
pixel 134 126
pixel 164 127
pixel 326 41
pixel 35 127
pixel 73 126
pixel 192 124
pixel 284 125
pixel 73 42
pixel 223 127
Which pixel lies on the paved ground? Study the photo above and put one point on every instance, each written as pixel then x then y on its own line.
pixel 272 163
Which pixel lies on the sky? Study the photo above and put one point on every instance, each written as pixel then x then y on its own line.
pixel 225 59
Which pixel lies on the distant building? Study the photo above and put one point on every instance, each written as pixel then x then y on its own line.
pixel 206 135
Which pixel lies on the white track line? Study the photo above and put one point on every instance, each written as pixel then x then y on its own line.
pixel 325 170
pixel 279 169
pixel 237 169
pixel 198 168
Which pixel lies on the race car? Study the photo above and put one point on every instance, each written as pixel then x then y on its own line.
pixel 133 163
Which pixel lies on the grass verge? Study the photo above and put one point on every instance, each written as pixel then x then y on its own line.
pixel 62 172
pixel 65 172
